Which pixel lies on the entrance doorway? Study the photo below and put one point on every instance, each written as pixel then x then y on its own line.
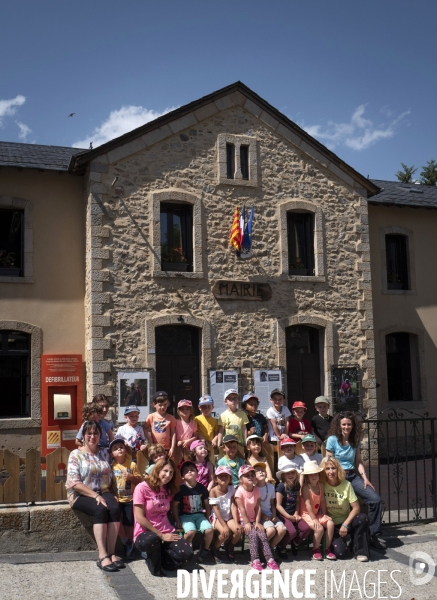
pixel 303 345
pixel 178 363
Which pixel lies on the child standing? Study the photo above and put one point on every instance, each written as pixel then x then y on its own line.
pixel 233 421
pixel 247 499
pixel 299 426
pixel 274 527
pixel 289 458
pixel 199 455
pixel 108 412
pixel 230 458
pixel 207 426
pixel 312 509
pixel 191 509
pixel 132 433
pixel 310 447
pixel 160 427
pixel 186 430
pixel 94 412
pixel 224 516
pixel 125 476
pixel 154 452
pixel 322 421
pixel 257 424
pixel 254 447
pixel 278 419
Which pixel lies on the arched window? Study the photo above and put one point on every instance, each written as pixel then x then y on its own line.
pixel 14 374
pixel 403 371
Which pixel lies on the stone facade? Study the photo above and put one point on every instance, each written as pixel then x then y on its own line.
pixel 127 295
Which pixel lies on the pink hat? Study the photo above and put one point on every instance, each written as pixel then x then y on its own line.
pixel 185 403
pixel 245 469
pixel 299 404
pixel 223 470
pixel 197 443
pixel 288 442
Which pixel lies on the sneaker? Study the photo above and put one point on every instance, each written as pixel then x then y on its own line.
pixel 317 555
pixel 204 555
pixel 229 550
pixel 329 554
pixel 362 558
pixel 272 564
pixel 282 553
pixel 256 564
pixel 377 542
pixel 215 553
pixel 128 548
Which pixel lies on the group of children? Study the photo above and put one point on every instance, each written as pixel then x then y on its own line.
pixel 242 494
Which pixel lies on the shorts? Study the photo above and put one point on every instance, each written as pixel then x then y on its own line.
pixel 196 522
pixel 127 513
pixel 278 525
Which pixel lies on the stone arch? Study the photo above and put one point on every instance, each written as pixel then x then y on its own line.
pixel 27 206
pixel 408 233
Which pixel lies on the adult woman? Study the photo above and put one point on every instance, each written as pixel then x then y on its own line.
pixel 153 533
pixel 88 481
pixel 344 444
pixel 343 507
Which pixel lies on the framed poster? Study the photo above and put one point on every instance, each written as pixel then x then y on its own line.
pixel 266 380
pixel 134 388
pixel 346 389
pixel 219 382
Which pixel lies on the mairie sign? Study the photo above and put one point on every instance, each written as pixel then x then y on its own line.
pixel 241 290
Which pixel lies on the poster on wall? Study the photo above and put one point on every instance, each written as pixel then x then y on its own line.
pixel 346 389
pixel 134 388
pixel 219 382
pixel 266 380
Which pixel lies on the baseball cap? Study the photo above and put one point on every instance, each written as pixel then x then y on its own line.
pixel 223 470
pixel 116 441
pixel 309 438
pixel 260 465
pixel 299 404
pixel 229 438
pixel 187 462
pixel 204 400
pixel 248 396
pixel 277 391
pixel 131 408
pixel 229 392
pixel 197 443
pixel 185 403
pixel 254 437
pixel 245 469
pixel 323 399
pixel 288 442
pixel 160 394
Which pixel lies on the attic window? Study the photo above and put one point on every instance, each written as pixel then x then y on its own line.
pixel 237 160
pixel 416 191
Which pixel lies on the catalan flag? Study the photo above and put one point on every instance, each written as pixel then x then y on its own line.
pixel 236 237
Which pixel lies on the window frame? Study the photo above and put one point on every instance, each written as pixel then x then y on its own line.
pixel 186 217
pixel 306 248
pixel 396 251
pixel 6 352
pixel 411 263
pixel 224 143
pixel 10 203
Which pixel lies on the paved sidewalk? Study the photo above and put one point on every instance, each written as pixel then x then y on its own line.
pixel 68 576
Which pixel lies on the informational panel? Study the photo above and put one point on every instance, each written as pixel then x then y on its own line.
pixel 266 380
pixel 134 388
pixel 346 389
pixel 219 382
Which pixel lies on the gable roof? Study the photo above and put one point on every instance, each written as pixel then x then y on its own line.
pixel 35 156
pixel 194 112
pixel 404 194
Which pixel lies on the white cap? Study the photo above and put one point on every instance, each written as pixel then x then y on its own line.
pixel 229 392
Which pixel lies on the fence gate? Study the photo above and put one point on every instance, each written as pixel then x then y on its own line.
pixel 399 455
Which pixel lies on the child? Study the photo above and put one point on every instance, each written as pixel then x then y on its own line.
pixel 224 515
pixel 287 505
pixel 154 452
pixel 299 426
pixel 230 458
pixel 160 427
pixel 233 421
pixel 186 430
pixel 247 499
pixel 278 416
pixel 254 447
pixel 191 509
pixel 257 424
pixel 312 509
pixel 310 447
pixel 108 412
pixel 207 426
pixel 132 433
pixel 275 528
pixel 125 476
pixel 93 412
pixel 289 458
pixel 322 421
pixel 199 455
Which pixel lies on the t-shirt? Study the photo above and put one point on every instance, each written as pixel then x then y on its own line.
pixel 321 426
pixel 185 430
pixel 191 499
pixel 281 421
pixel 124 489
pixel 156 506
pixel 299 427
pixel 234 464
pixel 161 428
pixel 316 456
pixel 233 423
pixel 259 422
pixel 290 497
pixel 344 454
pixel 249 501
pixel 338 500
pixel 297 462
pixel 267 494
pixel 133 436
pixel 105 426
pixel 207 427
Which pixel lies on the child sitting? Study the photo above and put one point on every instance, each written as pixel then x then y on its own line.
pixel 199 455
pixel 289 458
pixel 287 505
pixel 191 509
pixel 230 459
pixel 160 427
pixel 254 447
pixel 247 499
pixel 310 447
pixel 186 430
pixel 299 426
pixel 207 426
pixel 94 412
pixel 312 509
pixel 125 476
pixel 322 421
pixel 233 421
pixel 224 515
pixel 275 528
pixel 132 433
pixel 154 452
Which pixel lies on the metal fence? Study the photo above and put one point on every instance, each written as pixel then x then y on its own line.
pixel 399 455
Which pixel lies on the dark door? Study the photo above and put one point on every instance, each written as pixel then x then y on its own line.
pixel 177 363
pixel 303 366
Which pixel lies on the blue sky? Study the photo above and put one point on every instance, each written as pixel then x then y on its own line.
pixel 360 76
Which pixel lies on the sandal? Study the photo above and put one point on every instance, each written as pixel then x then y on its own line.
pixel 119 563
pixel 111 567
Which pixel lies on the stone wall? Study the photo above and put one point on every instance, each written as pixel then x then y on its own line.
pixel 124 292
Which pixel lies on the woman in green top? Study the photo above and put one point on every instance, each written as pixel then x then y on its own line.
pixel 343 507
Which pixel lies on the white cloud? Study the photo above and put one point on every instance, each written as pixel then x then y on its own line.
pixel 119 122
pixel 9 107
pixel 359 133
pixel 24 131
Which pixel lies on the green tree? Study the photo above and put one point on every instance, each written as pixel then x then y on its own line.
pixel 406 175
pixel 428 175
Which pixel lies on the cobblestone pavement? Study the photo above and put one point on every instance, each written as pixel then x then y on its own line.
pixel 69 576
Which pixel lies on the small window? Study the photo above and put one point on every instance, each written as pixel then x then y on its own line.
pixel 300 243
pixel 403 378
pixel 14 374
pixel 11 243
pixel 176 237
pixel 397 262
pixel 244 161
pixel 230 161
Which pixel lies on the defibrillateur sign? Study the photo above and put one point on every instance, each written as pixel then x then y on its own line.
pixel 53 439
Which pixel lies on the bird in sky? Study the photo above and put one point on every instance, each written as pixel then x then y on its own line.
pixel 71 114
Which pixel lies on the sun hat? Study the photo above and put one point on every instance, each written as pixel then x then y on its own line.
pixel 229 392
pixel 310 437
pixel 131 408
pixel 223 471
pixel 160 395
pixel 245 469
pixel 205 400
pixel 299 404
pixel 229 438
pixel 322 399
pixel 187 462
pixel 288 442
pixel 277 391
pixel 196 444
pixel 185 403
pixel 248 396
pixel 253 437
pixel 311 468
pixel 117 441
pixel 286 470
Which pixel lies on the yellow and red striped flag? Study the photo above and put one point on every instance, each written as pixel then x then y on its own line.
pixel 235 239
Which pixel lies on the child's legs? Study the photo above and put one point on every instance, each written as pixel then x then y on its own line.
pixel 222 537
pixel 267 551
pixel 267 450
pixel 329 525
pixel 204 526
pixel 189 527
pixel 290 535
pixel 253 544
pixel 318 533
pixel 280 531
pixel 127 520
pixel 303 531
pixel 270 532
pixel 236 534
pixel 211 454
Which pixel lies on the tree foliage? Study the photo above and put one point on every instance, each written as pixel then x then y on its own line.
pixel 406 175
pixel 428 175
